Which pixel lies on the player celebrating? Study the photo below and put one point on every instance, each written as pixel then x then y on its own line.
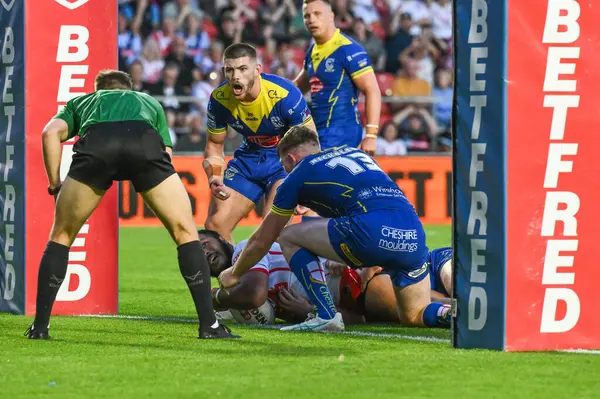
pixel 123 136
pixel 262 108
pixel 367 221
pixel 335 69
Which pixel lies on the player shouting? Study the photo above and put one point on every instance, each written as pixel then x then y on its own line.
pixel 367 221
pixel 123 135
pixel 262 108
pixel 335 69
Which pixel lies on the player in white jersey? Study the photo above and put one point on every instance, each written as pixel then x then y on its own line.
pixel 364 295
pixel 273 280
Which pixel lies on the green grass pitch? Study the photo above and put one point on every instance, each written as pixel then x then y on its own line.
pixel 129 358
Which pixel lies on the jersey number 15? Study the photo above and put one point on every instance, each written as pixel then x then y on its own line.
pixel 355 163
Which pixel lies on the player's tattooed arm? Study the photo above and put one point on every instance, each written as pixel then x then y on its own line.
pixel 55 132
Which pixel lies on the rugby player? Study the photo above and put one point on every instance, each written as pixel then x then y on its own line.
pixel 123 135
pixel 272 279
pixel 366 221
pixel 362 295
pixel 335 69
pixel 261 107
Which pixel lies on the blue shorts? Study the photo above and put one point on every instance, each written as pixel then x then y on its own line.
pixel 339 136
pixel 253 174
pixel 437 258
pixel 394 240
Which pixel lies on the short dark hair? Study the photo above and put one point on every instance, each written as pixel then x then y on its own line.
pixel 239 50
pixel 110 79
pixel 295 137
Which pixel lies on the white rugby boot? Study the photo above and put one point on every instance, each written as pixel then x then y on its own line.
pixel 315 323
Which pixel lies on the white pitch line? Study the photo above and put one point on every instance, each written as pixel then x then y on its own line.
pixel 582 351
pixel 420 338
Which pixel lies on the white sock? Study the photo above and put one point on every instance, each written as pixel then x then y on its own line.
pixel 215 325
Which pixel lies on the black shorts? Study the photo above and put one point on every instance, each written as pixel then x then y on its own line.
pixel 128 150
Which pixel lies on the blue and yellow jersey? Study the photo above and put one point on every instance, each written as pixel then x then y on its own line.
pixel 279 106
pixel 330 68
pixel 341 181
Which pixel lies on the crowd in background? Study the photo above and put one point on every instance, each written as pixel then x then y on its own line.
pixel 173 50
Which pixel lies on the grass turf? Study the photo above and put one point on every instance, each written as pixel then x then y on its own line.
pixel 123 358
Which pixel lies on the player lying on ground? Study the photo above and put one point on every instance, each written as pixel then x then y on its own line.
pixel 260 107
pixel 271 290
pixel 367 221
pixel 123 135
pixel 272 281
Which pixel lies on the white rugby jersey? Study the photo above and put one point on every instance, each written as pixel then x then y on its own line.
pixel 280 275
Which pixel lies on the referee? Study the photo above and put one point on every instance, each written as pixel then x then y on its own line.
pixel 123 135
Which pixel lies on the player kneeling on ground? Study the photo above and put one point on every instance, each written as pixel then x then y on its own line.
pixel 123 135
pixel 270 290
pixel 367 221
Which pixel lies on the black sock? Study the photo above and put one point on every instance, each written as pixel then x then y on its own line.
pixel 53 268
pixel 196 273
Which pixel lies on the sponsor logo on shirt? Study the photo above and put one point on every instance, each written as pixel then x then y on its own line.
pixel 315 85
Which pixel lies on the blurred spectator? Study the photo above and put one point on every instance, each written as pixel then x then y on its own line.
pixel 231 31
pixel 195 140
pixel 397 40
pixel 164 36
pixel 388 142
pixel 203 88
pixel 365 10
pixel 443 93
pixel 417 128
pixel 145 13
pixel 196 40
pixel 136 70
pixel 276 14
pixel 420 13
pixel 408 84
pixel 168 88
pixel 284 64
pixel 441 16
pixel 423 52
pixel 152 61
pixel 178 11
pixel 129 40
pixel 343 17
pixel 213 59
pixel 371 43
pixel 184 62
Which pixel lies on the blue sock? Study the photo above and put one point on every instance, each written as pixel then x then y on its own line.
pixel 437 315
pixel 309 271
pixel 308 218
